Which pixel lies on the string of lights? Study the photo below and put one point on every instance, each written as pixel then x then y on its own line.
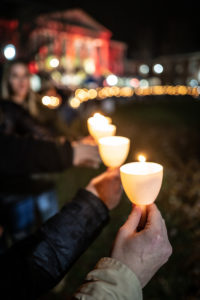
pixel 84 95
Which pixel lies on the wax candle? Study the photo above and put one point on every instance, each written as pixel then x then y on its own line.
pixel 100 126
pixel 142 182
pixel 114 150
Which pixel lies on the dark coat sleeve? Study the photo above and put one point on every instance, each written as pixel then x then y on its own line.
pixel 35 265
pixel 24 156
pixel 16 120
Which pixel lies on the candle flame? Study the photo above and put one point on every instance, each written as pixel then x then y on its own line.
pixel 141 158
pixel 100 120
pixel 97 115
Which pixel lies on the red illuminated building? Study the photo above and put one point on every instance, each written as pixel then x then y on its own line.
pixel 78 41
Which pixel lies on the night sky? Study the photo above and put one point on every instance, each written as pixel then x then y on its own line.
pixel 150 30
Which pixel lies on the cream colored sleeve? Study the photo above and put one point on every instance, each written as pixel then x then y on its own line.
pixel 110 280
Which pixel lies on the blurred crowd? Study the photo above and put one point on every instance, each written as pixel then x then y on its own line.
pixel 38 244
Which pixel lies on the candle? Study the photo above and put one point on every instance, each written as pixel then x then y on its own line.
pixel 99 116
pixel 100 126
pixel 142 182
pixel 114 150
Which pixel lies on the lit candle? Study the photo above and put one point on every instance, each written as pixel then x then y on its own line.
pixel 142 182
pixel 99 126
pixel 101 117
pixel 114 150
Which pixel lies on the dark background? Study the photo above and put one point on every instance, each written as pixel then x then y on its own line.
pixel 151 29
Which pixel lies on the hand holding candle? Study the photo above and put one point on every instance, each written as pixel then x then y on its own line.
pixel 146 251
pixel 107 186
pixel 85 154
pixel 142 182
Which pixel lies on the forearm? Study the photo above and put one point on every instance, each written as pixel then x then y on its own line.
pixel 75 227
pixel 33 155
pixel 110 280
pixel 37 264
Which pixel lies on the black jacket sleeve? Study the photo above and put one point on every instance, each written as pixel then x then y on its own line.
pixel 35 265
pixel 24 156
pixel 14 119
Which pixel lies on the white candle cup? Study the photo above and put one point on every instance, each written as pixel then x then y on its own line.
pixel 114 150
pixel 101 118
pixel 90 125
pixel 141 181
pixel 101 130
pixel 98 120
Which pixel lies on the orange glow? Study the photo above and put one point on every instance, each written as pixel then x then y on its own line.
pixel 51 101
pixel 141 158
pixel 125 91
pixel 74 102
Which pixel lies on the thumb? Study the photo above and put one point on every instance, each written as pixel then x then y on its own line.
pixel 133 220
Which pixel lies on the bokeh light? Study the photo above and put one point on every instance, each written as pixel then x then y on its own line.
pixel 74 102
pixel 144 69
pixel 158 68
pixel 134 82
pixel 193 82
pixel 54 62
pixel 35 82
pixel 144 83
pixel 89 66
pixel 51 101
pixel 112 79
pixel 9 52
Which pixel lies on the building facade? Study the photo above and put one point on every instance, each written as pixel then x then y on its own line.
pixel 77 40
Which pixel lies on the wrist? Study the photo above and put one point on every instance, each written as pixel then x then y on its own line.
pixel 90 187
pixel 127 279
pixel 134 269
pixel 94 191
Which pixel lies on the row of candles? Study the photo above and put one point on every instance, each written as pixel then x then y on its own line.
pixel 141 180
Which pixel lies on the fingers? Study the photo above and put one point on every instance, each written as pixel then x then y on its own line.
pixel 90 150
pixel 88 140
pixel 133 220
pixel 155 221
pixel 114 171
pixel 89 163
pixel 112 178
pixel 84 153
pixel 91 155
pixel 114 175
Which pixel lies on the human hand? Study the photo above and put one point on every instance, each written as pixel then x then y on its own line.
pixel 107 187
pixel 86 154
pixel 146 251
pixel 89 140
pixel 62 139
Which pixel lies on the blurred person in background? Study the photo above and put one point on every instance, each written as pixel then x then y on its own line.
pixel 19 114
pixel 16 88
pixel 23 159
